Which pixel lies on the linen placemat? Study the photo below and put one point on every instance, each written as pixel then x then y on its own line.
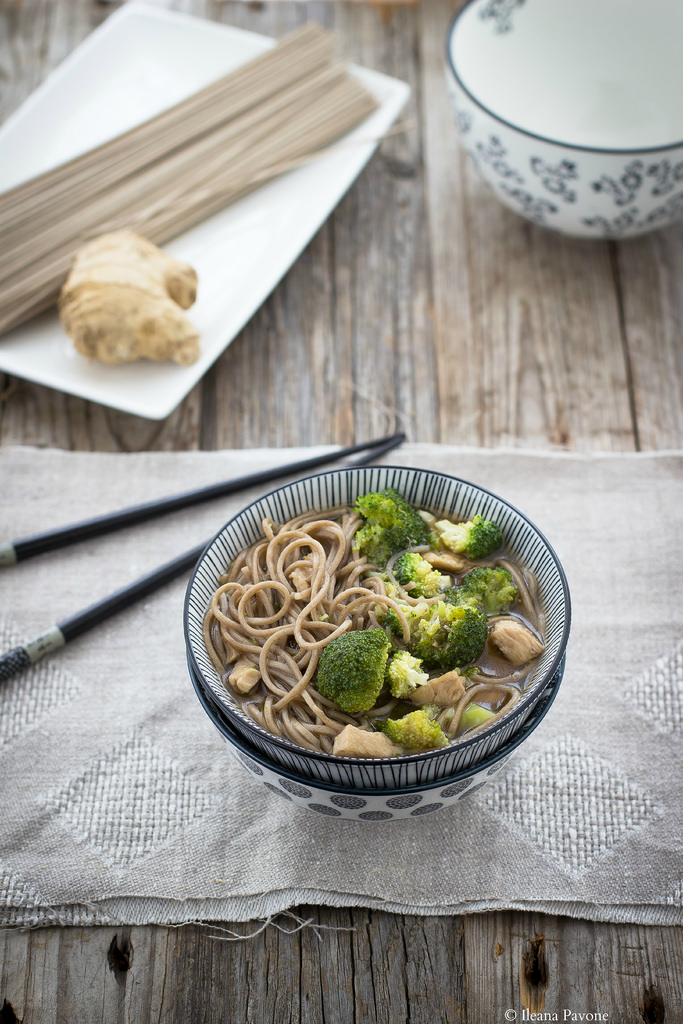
pixel 121 804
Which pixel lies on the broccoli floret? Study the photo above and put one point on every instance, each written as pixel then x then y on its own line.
pixel 392 623
pixel 415 731
pixel 412 612
pixel 449 636
pixel 490 590
pixel 351 669
pixel 391 525
pixel 433 539
pixel 411 567
pixel 405 674
pixel 477 538
pixel 371 539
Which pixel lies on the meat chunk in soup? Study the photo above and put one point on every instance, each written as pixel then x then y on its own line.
pixel 355 742
pixel 515 641
pixel 244 676
pixel 445 690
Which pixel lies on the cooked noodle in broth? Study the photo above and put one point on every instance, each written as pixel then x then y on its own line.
pixel 303 585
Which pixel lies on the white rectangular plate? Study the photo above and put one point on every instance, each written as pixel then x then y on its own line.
pixel 138 62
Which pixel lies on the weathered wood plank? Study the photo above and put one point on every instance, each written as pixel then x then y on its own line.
pixel 650 270
pixel 527 322
pixel 540 963
pixel 381 260
pixel 338 330
pixel 346 965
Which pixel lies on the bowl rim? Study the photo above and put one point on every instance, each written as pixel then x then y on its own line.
pixel 521 706
pixel 616 151
pixel 236 739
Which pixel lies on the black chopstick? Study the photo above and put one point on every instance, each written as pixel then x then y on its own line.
pixel 59 634
pixel 72 533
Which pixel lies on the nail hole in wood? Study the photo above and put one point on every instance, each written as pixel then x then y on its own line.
pixel 7 1014
pixel 401 169
pixel 652 1006
pixel 119 956
pixel 534 975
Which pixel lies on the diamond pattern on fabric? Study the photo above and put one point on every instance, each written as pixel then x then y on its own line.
pixel 28 697
pixel 658 692
pixel 21 903
pixel 15 893
pixel 129 801
pixel 574 804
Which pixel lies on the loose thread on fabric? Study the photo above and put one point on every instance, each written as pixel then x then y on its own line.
pixel 227 935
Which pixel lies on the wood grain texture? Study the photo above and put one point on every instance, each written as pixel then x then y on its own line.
pixel 345 966
pixel 527 322
pixel 649 275
pixel 423 305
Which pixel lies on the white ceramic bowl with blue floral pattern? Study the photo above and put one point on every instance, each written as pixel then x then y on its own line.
pixel 354 804
pixel 439 493
pixel 571 109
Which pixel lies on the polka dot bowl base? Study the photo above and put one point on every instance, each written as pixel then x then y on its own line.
pixel 367 805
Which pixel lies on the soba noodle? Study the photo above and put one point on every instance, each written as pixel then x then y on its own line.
pixel 300 587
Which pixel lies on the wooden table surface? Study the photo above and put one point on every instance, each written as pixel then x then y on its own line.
pixel 420 305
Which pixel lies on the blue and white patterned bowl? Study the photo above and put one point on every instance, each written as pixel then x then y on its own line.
pixel 437 492
pixel 570 109
pixel 368 804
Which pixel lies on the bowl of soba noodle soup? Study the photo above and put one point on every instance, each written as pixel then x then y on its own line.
pixel 377 627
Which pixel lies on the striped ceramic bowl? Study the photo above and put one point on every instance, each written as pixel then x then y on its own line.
pixel 358 804
pixel 445 495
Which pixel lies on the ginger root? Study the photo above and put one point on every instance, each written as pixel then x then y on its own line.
pixel 122 301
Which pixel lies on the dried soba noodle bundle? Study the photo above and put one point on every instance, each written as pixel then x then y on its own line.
pixel 177 169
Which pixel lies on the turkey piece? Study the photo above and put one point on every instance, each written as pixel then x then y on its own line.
pixel 447 561
pixel 244 676
pixel 445 691
pixel 355 742
pixel 515 641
